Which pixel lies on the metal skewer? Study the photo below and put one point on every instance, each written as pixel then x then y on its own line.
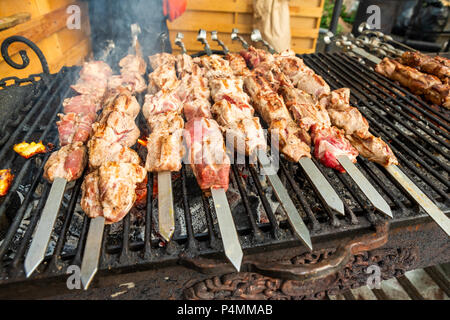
pixel 179 42
pixel 92 250
pixel 280 191
pixel 41 238
pixel 433 211
pixel 230 240
pixel 214 37
pixel 235 36
pixel 299 227
pixel 201 36
pixel 257 37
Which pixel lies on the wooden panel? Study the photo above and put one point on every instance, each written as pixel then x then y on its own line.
pixel 60 45
pixel 223 16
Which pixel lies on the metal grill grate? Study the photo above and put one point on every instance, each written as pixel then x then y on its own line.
pixel 416 131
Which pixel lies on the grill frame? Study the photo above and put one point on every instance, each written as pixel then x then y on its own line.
pixel 263 238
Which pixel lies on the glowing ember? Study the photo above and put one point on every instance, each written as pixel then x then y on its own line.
pixel 6 178
pixel 27 150
pixel 142 142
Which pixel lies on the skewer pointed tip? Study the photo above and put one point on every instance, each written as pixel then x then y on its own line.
pixel 87 276
pixel 31 265
pixel 235 256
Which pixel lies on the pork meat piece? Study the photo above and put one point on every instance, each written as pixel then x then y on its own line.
pixel 163 78
pixel 374 149
pixel 165 151
pixel 162 102
pixel 207 155
pixel 160 59
pixel 237 64
pixel 293 140
pixel 110 191
pixel 329 143
pixel 132 64
pixel 67 163
pixel 73 127
pixel 304 108
pixel 246 135
pixel 81 104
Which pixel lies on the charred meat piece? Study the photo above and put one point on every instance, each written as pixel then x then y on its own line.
pixel 207 155
pixel 293 140
pixel 304 108
pixel 374 149
pixel 417 82
pixel 425 64
pixel 237 64
pixel 67 163
pixel 109 191
pixel 132 64
pixel 227 88
pixel 215 66
pixel 254 56
pixel 73 127
pixel 329 143
pixel 160 59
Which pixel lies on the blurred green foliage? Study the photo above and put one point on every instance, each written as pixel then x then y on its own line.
pixel 328 12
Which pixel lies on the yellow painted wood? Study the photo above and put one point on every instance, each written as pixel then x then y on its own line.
pixel 47 28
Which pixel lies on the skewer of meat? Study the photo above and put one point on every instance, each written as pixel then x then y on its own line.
pixel 109 190
pixel 162 110
pixel 235 115
pixel 432 65
pixel 67 163
pixel 381 153
pixel 307 101
pixel 206 148
pixel 417 82
pixel 294 140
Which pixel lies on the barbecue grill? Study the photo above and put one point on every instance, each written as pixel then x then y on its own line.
pixel 276 264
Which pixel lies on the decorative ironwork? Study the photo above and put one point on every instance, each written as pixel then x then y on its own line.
pixel 23 54
pixel 393 262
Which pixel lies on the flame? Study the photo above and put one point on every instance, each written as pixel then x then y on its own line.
pixel 27 150
pixel 6 178
pixel 142 142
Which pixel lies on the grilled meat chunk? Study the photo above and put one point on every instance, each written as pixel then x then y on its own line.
pixel 73 127
pixel 293 140
pixel 163 78
pixel 109 191
pixel 162 102
pixel 81 104
pixel 304 108
pixel 329 143
pixel 425 64
pixel 374 149
pixel 237 64
pixel 417 82
pixel 207 155
pixel 67 163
